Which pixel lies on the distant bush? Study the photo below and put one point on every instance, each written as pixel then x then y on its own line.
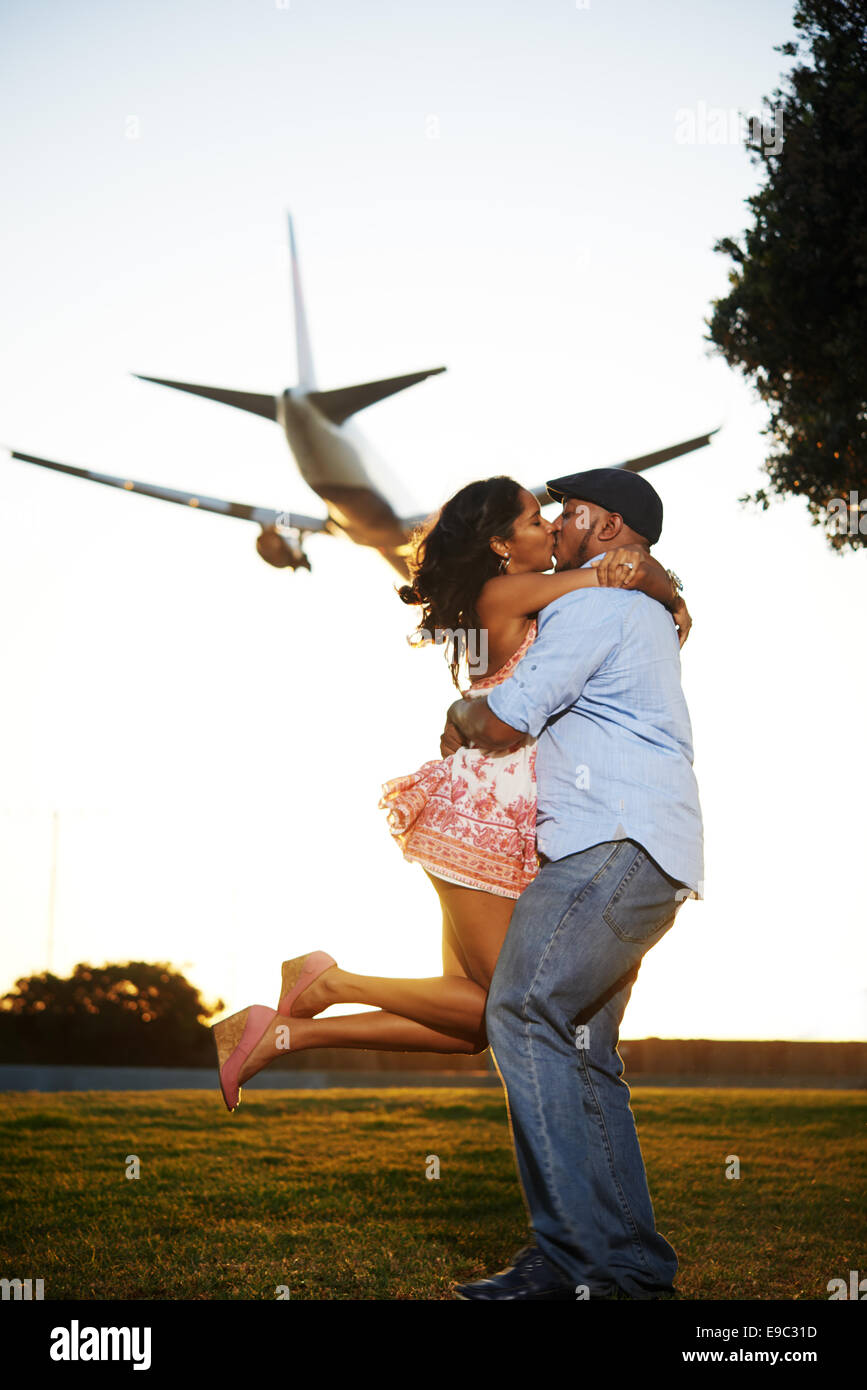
pixel 135 1014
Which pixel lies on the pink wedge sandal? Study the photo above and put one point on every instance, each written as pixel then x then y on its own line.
pixel 235 1038
pixel 298 974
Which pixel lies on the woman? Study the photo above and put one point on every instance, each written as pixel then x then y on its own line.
pixel 468 819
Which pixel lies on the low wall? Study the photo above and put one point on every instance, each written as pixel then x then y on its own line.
pixel 648 1061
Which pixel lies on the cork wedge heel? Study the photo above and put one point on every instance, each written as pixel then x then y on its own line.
pixel 235 1038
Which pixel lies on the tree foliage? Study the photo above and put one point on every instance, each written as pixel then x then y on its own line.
pixel 135 1014
pixel 795 320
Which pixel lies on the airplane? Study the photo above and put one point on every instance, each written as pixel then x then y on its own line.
pixel 332 457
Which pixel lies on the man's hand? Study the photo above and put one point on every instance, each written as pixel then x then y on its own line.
pixel 470 724
pixel 452 739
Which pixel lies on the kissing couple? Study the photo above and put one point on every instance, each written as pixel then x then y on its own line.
pixel 561 830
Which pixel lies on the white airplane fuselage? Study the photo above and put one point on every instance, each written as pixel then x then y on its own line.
pixel 330 459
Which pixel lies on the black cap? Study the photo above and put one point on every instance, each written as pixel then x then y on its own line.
pixel 617 490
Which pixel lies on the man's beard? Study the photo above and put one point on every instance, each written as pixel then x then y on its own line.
pixel 579 558
pixel 581 552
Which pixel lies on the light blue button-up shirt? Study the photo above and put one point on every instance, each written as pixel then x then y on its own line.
pixel 600 689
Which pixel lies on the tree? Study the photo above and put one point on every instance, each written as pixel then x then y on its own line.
pixel 112 1015
pixel 795 320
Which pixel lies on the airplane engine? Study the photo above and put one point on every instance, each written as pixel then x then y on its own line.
pixel 281 550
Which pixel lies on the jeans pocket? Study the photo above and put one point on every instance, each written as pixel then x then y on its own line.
pixel 644 904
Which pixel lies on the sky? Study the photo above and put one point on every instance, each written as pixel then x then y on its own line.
pixel 196 742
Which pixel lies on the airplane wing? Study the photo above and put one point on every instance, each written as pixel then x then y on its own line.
pixel 265 516
pixel 638 465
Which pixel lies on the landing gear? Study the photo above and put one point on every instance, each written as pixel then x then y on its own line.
pixel 281 547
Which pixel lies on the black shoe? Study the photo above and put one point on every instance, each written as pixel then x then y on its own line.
pixel 529 1276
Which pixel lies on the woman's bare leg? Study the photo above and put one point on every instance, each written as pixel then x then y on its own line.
pixel 479 922
pixel 450 1004
pixel 380 1031
pixel 474 926
pixel 377 1031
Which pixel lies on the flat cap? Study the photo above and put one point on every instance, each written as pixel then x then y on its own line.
pixel 617 490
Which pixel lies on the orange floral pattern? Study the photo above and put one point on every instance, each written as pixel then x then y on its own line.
pixel 471 818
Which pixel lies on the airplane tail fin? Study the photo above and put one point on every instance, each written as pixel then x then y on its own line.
pixel 306 370
pixel 243 400
pixel 338 405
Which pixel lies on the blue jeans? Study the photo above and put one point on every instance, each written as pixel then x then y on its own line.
pixel 562 982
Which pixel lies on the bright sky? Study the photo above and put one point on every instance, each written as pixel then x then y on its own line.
pixel 496 188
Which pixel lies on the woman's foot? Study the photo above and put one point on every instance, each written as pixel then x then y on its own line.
pixel 326 989
pixel 299 975
pixel 236 1039
pixel 275 1040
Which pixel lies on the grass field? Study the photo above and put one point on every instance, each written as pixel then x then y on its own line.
pixel 324 1192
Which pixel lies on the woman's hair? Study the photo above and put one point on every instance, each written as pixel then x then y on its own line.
pixel 453 559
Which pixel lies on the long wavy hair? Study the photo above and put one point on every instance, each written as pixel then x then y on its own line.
pixel 453 559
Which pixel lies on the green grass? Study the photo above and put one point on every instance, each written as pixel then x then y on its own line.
pixel 325 1192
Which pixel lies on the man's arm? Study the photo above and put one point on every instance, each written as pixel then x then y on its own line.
pixel 576 634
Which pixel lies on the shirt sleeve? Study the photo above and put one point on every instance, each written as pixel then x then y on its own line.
pixel 576 634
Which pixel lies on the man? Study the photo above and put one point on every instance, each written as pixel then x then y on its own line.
pixel 619 835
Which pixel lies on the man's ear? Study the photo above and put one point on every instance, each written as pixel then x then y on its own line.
pixel 611 527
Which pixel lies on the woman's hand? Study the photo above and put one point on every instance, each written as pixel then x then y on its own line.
pixel 622 568
pixel 682 620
